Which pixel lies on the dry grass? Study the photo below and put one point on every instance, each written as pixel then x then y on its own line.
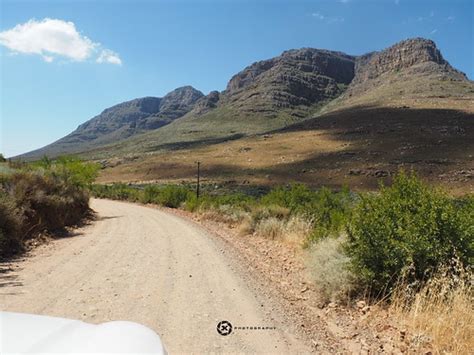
pixel 245 227
pixel 271 222
pixel 271 228
pixel 441 313
pixel 329 270
pixel 224 214
pixel 294 230
pixel 298 230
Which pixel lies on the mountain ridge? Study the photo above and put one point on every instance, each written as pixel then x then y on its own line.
pixel 266 95
pixel 124 120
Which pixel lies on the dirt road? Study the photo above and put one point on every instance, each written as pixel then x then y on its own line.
pixel 141 264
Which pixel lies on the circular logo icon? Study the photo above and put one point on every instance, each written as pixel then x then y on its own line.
pixel 224 328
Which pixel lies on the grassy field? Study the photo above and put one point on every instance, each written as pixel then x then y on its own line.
pixel 358 146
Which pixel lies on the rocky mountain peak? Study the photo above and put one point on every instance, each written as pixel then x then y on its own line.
pixel 298 77
pixel 418 54
pixel 146 104
pixel 179 101
pixel 186 94
pixel 306 60
pixel 125 112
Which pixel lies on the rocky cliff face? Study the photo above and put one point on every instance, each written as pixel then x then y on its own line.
pixel 297 77
pixel 401 56
pixel 207 103
pixel 125 113
pixel 128 118
pixel 412 57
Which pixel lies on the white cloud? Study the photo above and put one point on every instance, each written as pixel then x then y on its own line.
pixel 434 31
pixel 108 56
pixel 327 19
pixel 450 18
pixel 51 38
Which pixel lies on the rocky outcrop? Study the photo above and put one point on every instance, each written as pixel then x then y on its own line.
pixel 297 77
pixel 179 102
pixel 304 77
pixel 125 120
pixel 207 103
pixel 128 118
pixel 125 113
pixel 411 57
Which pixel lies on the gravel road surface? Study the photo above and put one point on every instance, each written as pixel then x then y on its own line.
pixel 145 265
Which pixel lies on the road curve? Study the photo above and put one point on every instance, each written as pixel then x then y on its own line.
pixel 145 265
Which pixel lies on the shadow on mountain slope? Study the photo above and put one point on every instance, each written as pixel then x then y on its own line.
pixel 194 144
pixel 364 144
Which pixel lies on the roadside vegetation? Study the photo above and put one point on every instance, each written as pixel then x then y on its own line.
pixel 42 197
pixel 408 245
pixel 398 244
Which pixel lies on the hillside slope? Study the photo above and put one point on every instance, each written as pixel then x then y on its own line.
pixel 406 108
pixel 123 121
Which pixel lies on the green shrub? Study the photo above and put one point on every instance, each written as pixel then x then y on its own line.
pixel 465 208
pixel 117 191
pixel 193 203
pixel 327 209
pixel 173 196
pixel 408 226
pixel 235 200
pixel 170 195
pixel 70 170
pixel 150 194
pixel 296 197
pixel 330 212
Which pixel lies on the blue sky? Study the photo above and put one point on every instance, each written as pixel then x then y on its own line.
pixel 111 51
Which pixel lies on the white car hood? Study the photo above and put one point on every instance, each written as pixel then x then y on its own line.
pixel 27 333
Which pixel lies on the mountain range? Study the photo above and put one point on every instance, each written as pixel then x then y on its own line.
pixel 268 95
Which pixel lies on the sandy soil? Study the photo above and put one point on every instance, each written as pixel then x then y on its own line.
pixel 145 265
